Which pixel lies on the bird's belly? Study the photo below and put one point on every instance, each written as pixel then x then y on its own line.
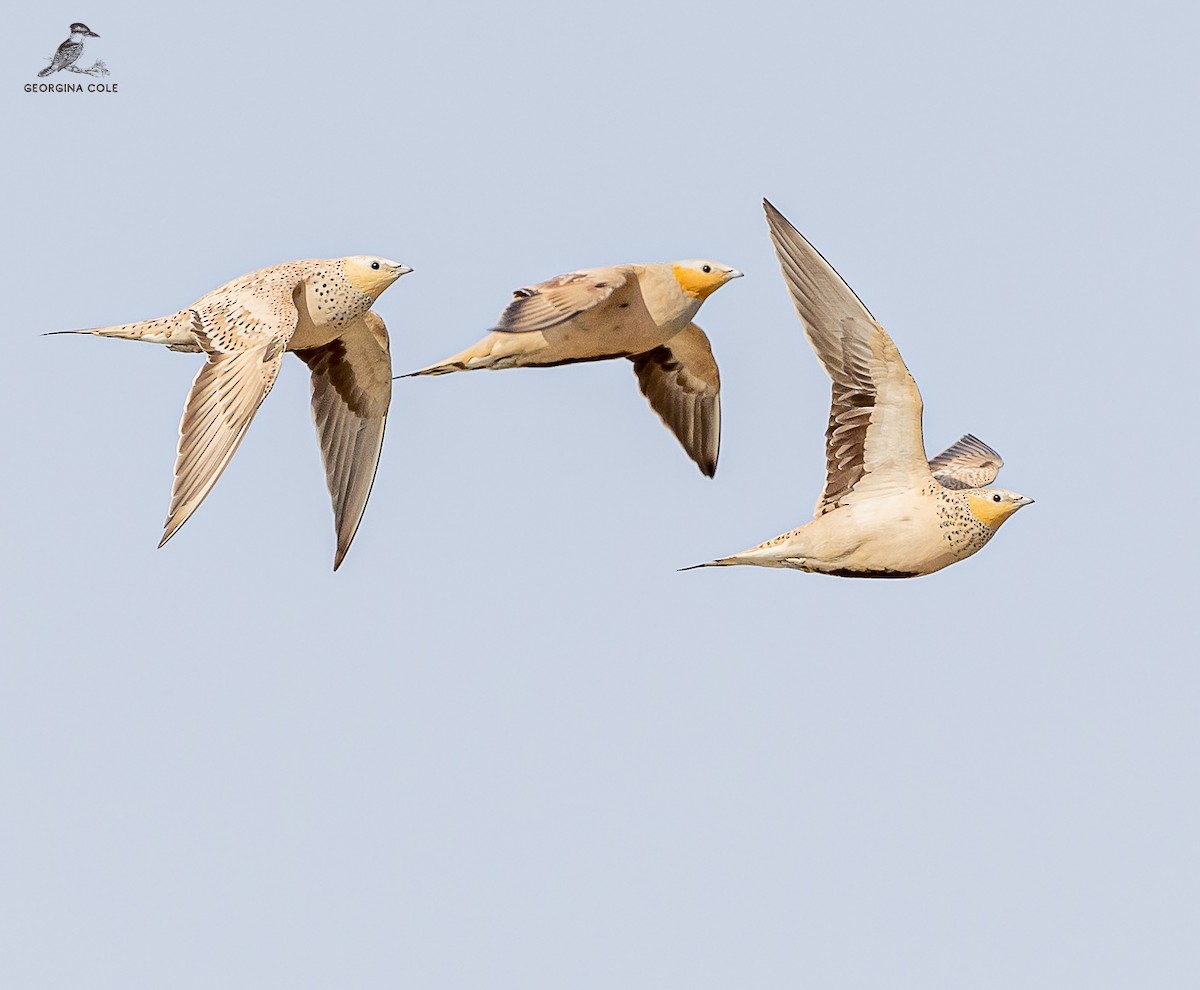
pixel 873 561
pixel 897 544
pixel 583 339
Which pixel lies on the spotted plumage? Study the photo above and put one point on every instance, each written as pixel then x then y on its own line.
pixel 69 51
pixel 885 511
pixel 321 309
pixel 640 312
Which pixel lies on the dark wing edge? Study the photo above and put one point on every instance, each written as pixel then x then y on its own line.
pixel 683 385
pixel 351 393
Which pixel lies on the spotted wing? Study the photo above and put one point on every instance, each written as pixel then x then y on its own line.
pixel 542 306
pixel 967 463
pixel 873 442
pixel 244 342
pixel 351 391
pixel 681 380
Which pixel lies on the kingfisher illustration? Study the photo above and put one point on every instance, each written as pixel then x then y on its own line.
pixel 69 51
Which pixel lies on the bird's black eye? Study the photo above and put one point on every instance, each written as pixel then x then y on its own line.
pixel 995 498
pixel 706 269
pixel 375 265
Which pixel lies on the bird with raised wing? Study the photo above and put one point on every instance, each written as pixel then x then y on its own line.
pixel 640 312
pixel 886 511
pixel 320 310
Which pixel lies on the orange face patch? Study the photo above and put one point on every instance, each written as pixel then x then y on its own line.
pixel 698 284
pixel 988 511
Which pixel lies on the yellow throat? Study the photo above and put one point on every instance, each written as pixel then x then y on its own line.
pixel 367 280
pixel 698 284
pixel 988 511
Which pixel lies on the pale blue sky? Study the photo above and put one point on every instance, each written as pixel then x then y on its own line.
pixel 508 745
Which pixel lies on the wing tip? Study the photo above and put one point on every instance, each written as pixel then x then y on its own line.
pixel 168 532
pixel 344 543
pixel 775 218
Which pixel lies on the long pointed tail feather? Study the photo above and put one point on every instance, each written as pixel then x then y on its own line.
pixel 176 331
pixel 444 368
pixel 721 562
pixel 495 351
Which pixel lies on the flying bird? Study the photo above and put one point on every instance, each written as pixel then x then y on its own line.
pixel 321 311
pixel 69 51
pixel 886 511
pixel 639 312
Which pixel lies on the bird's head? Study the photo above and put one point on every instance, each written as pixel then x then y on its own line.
pixel 371 276
pixel 700 278
pixel 991 506
pixel 83 29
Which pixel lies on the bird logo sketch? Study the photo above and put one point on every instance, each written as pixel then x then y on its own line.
pixel 886 511
pixel 69 53
pixel 321 311
pixel 639 312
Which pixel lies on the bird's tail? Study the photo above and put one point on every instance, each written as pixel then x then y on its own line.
pixel 177 331
pixel 46 71
pixel 496 350
pixel 443 368
pixel 721 562
pixel 778 552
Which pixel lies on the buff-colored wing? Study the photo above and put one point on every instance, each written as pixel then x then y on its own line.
pixel 966 463
pixel 351 391
pixel 873 442
pixel 244 340
pixel 681 380
pixel 546 305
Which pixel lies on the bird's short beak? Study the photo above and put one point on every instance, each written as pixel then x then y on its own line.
pixel 93 34
pixel 1026 501
pixel 734 273
pixel 402 270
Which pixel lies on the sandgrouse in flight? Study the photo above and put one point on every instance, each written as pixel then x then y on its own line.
pixel 319 309
pixel 886 511
pixel 640 312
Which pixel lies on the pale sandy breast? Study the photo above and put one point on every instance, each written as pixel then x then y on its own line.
pixel 962 532
pixel 327 304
